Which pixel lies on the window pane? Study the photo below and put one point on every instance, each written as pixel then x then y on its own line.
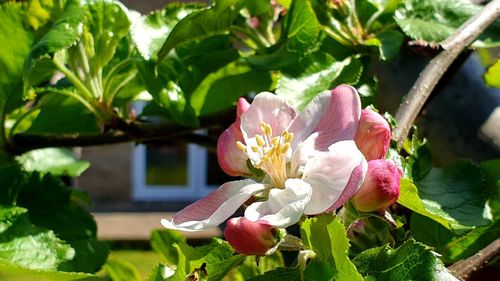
pixel 166 165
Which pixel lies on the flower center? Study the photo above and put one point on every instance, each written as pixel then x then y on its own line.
pixel 270 153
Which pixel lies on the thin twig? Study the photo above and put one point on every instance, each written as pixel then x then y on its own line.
pixel 463 269
pixel 134 132
pixel 430 76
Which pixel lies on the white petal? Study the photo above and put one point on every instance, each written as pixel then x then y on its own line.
pixel 303 151
pixel 268 108
pixel 329 173
pixel 215 208
pixel 284 207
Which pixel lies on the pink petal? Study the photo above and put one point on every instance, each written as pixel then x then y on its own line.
pixel 329 174
pixel 283 207
pixel 268 108
pixel 373 136
pixel 232 160
pixel 215 208
pixel 352 187
pixel 249 238
pixel 334 115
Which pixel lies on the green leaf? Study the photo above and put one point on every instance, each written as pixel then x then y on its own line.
pixel 411 261
pixel 409 198
pixel 326 236
pixel 490 170
pixel 150 32
pixel 158 273
pixel 319 270
pixel 253 266
pixel 64 33
pixel 16 44
pixel 63 115
pixel 120 270
pixel 282 273
pixel 301 27
pixel 162 242
pixel 57 161
pixel 108 23
pixel 492 75
pixel 434 21
pixel 388 43
pixel 12 271
pixel 300 83
pixel 39 12
pixel 221 89
pixel 214 20
pixel 29 246
pixel 456 194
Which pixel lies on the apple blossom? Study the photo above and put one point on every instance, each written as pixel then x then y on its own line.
pixel 373 135
pixel 309 158
pixel 380 188
pixel 250 238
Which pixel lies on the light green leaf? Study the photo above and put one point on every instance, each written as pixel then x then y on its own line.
pixel 108 23
pixel 319 270
pixel 492 75
pixel 39 12
pixel 302 27
pixel 29 246
pixel 64 33
pixel 253 266
pixel 16 44
pixel 220 89
pixel 213 20
pixel 57 161
pixel 409 198
pixel 150 32
pixel 456 193
pixel 158 273
pixel 162 242
pixel 120 270
pixel 13 272
pixel 300 83
pixel 326 236
pixel 411 261
pixel 434 21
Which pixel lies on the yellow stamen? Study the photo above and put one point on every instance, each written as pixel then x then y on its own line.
pixel 241 146
pixel 260 140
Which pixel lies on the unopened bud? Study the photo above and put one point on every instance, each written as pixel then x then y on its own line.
pixel 250 238
pixel 380 189
pixel 373 135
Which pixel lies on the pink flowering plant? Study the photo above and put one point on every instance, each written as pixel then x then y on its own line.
pixel 323 183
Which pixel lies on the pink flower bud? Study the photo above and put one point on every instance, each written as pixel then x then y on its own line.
pixel 380 189
pixel 373 135
pixel 249 238
pixel 232 160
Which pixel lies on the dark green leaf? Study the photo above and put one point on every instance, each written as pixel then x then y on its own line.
pixel 456 194
pixel 279 274
pixel 319 270
pixel 492 75
pixel 250 267
pixel 63 115
pixel 29 246
pixel 11 271
pixel 411 261
pixel 57 161
pixel 214 20
pixel 221 89
pixel 434 21
pixel 300 83
pixel 388 43
pixel 64 33
pixel 150 32
pixel 120 270
pixel 301 27
pixel 326 236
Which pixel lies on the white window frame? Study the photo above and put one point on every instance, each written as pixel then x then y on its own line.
pixel 195 188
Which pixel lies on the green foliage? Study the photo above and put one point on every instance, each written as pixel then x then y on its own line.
pixel 120 270
pixel 12 271
pixel 326 236
pixel 216 258
pixel 411 261
pixel 434 21
pixel 253 266
pixel 492 75
pixel 57 161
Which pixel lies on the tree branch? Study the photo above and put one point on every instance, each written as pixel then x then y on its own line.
pixel 131 132
pixel 463 269
pixel 430 76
